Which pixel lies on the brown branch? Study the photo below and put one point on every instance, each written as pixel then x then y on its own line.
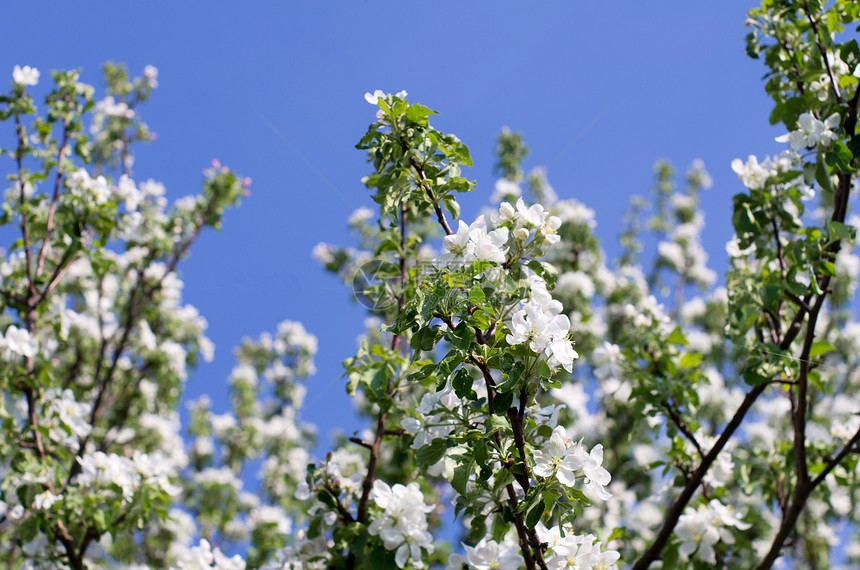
pixel 519 524
pixel 778 241
pixel 796 323
pixel 851 119
pixel 140 295
pixel 682 427
pixel 19 160
pixel 361 442
pixel 791 56
pixel 33 418
pixel 367 484
pixel 823 53
pixel 804 486
pixel 831 464
pixel 677 508
pixel 121 414
pixel 49 227
pixel 69 257
pixel 422 181
pixel 529 542
pixel 68 542
pixel 802 397
pixel 344 513
pixel 796 300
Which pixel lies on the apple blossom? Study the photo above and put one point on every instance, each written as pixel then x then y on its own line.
pixel 19 341
pixel 560 458
pixel 25 75
pixel 811 131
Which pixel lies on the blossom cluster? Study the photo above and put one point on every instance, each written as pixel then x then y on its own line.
pixel 565 460
pixel 576 552
pixel 811 132
pixel 101 470
pixel 429 425
pixel 540 325
pixel 700 529
pixel 402 524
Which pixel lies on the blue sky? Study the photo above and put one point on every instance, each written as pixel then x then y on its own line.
pixel 275 90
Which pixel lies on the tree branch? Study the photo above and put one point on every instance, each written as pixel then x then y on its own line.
pixel 814 24
pixel 25 235
pixel 677 508
pixel 422 180
pixel 367 484
pixel 49 227
pixel 682 427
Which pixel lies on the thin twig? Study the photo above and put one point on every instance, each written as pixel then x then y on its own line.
pixel 677 508
pixel 682 427
pixel 823 53
pixel 422 181
pixel 49 227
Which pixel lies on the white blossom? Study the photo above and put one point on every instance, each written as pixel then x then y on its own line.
pixel 490 555
pixel 19 341
pixel 811 132
pixel 402 525
pixel 559 457
pixel 25 75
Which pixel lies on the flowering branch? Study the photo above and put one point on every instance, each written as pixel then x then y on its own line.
pixel 833 86
pixel 52 209
pixel 422 181
pixel 680 503
pixel 682 427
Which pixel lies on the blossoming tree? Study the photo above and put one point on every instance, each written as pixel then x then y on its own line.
pixel 571 411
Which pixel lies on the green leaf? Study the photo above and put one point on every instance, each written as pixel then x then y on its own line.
pixel 477 296
pixel 352 384
pixel 431 454
pixel 477 529
pixel 482 454
pixel 461 337
pixel 753 48
pixel 840 157
pixel 452 205
pixel 29 527
pixel 815 378
pixel 496 423
pixel 99 519
pixel 677 338
pixel 743 219
pixel 770 295
pixel 459 465
pixel 423 373
pixel 326 498
pixel 534 515
pixel 838 230
pixel 426 338
pixel 809 173
pixel 546 271
pixel 502 402
pixel 462 382
pixel 822 176
pixel 511 379
pixel 532 496
pixel 463 152
pixel 820 347
pixel 419 113
pixel 616 534
pixel 503 479
pixel 690 360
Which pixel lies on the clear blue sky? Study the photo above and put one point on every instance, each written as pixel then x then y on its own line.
pixel 618 85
